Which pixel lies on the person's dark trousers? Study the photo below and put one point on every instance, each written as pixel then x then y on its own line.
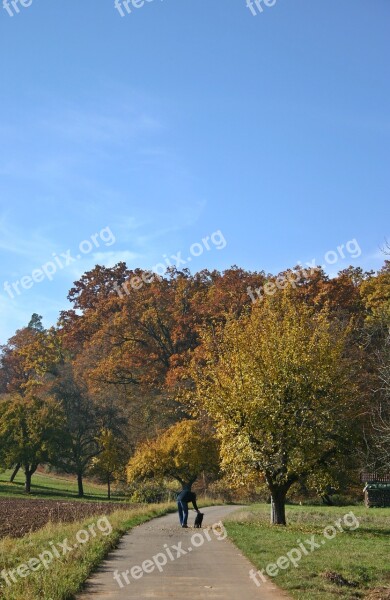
pixel 183 512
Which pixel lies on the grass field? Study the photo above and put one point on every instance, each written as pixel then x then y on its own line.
pixel 351 565
pixel 48 485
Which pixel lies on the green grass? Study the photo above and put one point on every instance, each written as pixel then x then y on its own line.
pixel 48 485
pixel 66 575
pixel 360 556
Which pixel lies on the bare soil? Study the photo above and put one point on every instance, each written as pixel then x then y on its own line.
pixel 19 517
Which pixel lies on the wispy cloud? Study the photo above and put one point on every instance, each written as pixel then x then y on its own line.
pixel 32 247
pixel 84 127
pixel 61 144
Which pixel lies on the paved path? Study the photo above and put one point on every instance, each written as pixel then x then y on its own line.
pixel 213 569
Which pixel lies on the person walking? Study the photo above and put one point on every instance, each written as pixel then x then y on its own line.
pixel 183 498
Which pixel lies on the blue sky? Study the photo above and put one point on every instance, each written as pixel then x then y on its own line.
pixel 186 118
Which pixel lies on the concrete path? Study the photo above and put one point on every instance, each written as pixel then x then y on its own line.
pixel 201 564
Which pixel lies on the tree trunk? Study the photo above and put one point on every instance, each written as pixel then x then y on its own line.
pixel 80 485
pixel 27 485
pixel 108 487
pixel 29 472
pixel 15 472
pixel 278 507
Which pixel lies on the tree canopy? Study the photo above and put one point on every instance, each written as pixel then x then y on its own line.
pixel 278 385
pixel 182 452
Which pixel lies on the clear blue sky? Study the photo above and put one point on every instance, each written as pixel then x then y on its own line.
pixel 183 118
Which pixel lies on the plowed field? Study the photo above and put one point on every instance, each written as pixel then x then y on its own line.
pixel 18 516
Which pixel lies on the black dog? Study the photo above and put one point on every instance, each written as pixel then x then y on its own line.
pixel 198 520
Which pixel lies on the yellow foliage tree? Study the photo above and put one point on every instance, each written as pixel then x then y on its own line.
pixel 278 387
pixel 375 293
pixel 182 452
pixel 111 459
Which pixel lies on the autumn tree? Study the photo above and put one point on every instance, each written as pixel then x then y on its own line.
pixel 129 341
pixel 375 294
pixel 182 452
pixel 136 336
pixel 111 460
pixel 380 418
pixel 14 376
pixel 29 357
pixel 278 387
pixel 27 361
pixel 81 426
pixel 30 432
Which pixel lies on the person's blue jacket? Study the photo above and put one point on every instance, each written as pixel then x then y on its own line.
pixel 188 496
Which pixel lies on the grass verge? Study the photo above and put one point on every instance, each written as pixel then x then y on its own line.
pixel 349 566
pixel 66 574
